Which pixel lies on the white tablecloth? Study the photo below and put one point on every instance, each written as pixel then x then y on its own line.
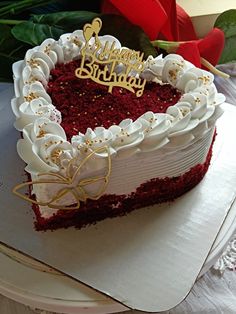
pixel 214 292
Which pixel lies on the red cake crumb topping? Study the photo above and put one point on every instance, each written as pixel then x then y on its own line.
pixel 85 103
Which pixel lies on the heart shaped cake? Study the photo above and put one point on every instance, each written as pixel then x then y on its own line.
pixel 104 133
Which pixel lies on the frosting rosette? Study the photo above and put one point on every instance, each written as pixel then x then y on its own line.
pixel 182 124
pixel 94 139
pixel 155 128
pixel 193 79
pixel 152 68
pixel 71 44
pixel 126 136
pixel 174 67
pixel 33 104
pixel 43 146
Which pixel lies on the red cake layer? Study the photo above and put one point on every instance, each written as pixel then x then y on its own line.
pixel 149 193
pixel 84 103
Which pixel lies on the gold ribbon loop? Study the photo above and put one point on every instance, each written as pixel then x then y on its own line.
pixel 68 184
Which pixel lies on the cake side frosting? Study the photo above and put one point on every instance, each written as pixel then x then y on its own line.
pixel 184 131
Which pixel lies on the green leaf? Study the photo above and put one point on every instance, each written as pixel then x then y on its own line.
pixel 130 35
pixel 51 25
pixel 229 52
pixel 227 23
pixel 4 3
pixel 33 34
pixel 70 20
pixel 11 50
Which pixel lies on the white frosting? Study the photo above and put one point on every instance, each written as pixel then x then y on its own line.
pixel 44 146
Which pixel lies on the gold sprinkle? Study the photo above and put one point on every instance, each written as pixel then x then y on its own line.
pixel 30 97
pixel 47 49
pixel 33 63
pixel 77 42
pixel 197 100
pixel 55 155
pixel 41 133
pixel 173 74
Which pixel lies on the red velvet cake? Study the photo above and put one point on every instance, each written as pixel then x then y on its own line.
pixel 100 140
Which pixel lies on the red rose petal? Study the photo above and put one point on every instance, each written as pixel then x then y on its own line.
pixel 189 51
pixel 170 29
pixel 185 25
pixel 211 46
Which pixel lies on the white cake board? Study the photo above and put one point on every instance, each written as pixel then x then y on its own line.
pixel 139 260
pixel 58 293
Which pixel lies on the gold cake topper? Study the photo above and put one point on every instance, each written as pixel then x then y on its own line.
pixel 99 62
pixel 69 183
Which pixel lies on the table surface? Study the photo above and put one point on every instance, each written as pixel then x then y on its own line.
pixel 212 293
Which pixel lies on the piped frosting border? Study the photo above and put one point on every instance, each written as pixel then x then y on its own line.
pixel 44 146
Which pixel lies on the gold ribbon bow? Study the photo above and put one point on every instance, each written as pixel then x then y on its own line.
pixel 68 183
